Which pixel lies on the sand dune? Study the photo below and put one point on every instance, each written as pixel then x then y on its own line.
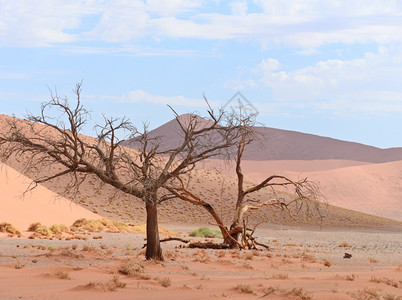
pixel 370 188
pixel 278 144
pixel 220 192
pixel 40 205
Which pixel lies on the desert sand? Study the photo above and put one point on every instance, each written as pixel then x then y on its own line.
pixel 300 265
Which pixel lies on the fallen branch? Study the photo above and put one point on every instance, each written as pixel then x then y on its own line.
pixel 260 244
pixel 209 245
pixel 170 239
pixel 174 239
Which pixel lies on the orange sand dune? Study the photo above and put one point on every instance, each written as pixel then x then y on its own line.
pixel 369 188
pixel 40 205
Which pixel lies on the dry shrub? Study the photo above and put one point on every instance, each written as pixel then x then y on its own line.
pixel 143 227
pixel 111 285
pixel 244 288
pixel 106 225
pixel 165 282
pixel 40 230
pixel 327 263
pixel 299 292
pixel 350 277
pixel 308 258
pixel 385 280
pixel 62 275
pixel 8 228
pixel 58 229
pixel 19 265
pixel 280 276
pixel 133 270
pixel 366 294
pixel 344 245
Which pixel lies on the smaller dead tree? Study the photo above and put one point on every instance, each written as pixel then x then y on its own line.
pixel 305 193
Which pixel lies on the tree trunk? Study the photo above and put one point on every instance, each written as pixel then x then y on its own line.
pixel 154 250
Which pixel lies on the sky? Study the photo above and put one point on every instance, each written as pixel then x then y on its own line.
pixel 331 68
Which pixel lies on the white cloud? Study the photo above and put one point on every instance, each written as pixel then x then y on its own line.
pixel 40 22
pixel 303 24
pixel 121 21
pixel 369 83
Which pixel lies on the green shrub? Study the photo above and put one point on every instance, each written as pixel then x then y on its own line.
pixel 206 232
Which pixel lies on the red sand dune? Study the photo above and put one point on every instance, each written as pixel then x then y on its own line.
pixel 278 144
pixel 370 188
pixel 350 175
pixel 40 205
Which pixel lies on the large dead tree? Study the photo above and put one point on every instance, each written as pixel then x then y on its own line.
pixel 145 173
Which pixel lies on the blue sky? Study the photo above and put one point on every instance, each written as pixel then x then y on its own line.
pixel 332 68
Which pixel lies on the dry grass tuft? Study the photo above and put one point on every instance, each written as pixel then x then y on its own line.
pixel 133 270
pixel 10 229
pixel 165 282
pixel 19 265
pixel 244 288
pixel 299 292
pixel 326 263
pixel 308 258
pixel 111 285
pixel 62 275
pixel 350 277
pixel 385 280
pixel 280 276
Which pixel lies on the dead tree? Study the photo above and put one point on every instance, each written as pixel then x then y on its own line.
pixel 49 141
pixel 305 193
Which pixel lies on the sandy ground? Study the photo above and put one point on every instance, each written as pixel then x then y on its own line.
pixel 300 264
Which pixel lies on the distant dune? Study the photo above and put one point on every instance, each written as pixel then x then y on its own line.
pixel 370 188
pixel 278 144
pixel 350 175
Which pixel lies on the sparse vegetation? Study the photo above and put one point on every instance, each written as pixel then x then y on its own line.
pixel 308 258
pixel 385 280
pixel 244 288
pixel 327 263
pixel 62 275
pixel 10 229
pixel 111 285
pixel 133 270
pixel 165 282
pixel 300 292
pixel 350 277
pixel 19 265
pixel 280 276
pixel 206 233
